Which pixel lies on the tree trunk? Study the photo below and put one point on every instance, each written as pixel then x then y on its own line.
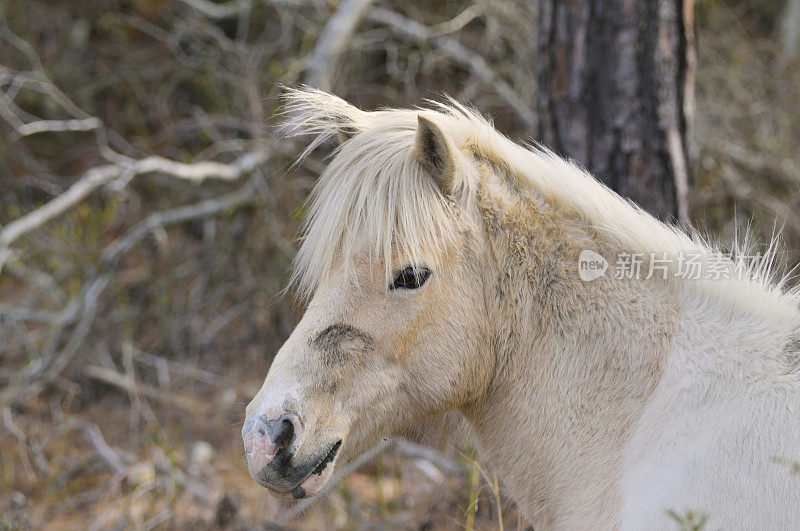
pixel 615 93
pixel 790 33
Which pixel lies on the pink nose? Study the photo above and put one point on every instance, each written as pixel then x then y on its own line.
pixel 264 438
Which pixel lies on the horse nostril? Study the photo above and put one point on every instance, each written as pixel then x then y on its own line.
pixel 285 433
pixel 280 431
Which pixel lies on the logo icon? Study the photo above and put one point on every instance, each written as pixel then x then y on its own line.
pixel 591 265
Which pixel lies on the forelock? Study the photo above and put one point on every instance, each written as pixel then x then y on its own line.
pixel 374 200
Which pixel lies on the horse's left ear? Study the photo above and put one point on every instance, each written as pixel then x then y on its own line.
pixel 436 153
pixel 343 135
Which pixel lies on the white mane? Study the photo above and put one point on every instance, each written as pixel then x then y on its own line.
pixel 374 192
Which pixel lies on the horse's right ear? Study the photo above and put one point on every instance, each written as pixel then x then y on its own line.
pixel 436 153
pixel 343 136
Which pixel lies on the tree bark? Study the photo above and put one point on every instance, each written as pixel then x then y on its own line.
pixel 615 93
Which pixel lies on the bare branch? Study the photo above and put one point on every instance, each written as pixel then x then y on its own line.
pixel 219 11
pixel 446 464
pixel 26 314
pixel 38 372
pixel 22 442
pixel 333 40
pixel 39 75
pixel 34 376
pixel 57 126
pixel 92 179
pixel 112 377
pixel 77 192
pixel 457 22
pixel 170 217
pixel 95 437
pixel 459 53
pixel 197 488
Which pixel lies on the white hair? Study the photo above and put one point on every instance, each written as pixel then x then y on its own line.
pixel 375 195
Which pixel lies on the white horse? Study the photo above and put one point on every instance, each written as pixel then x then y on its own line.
pixel 448 268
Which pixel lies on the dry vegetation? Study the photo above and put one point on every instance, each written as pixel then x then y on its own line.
pixel 747 129
pixel 148 222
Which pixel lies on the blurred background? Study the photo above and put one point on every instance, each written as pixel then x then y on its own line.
pixel 149 215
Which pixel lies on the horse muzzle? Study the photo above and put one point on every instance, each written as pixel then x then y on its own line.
pixel 279 458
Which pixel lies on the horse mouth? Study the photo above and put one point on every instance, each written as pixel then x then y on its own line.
pixel 310 484
pixel 330 456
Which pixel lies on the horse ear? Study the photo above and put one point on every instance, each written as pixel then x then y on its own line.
pixel 436 153
pixel 343 136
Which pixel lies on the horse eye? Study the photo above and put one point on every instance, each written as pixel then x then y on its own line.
pixel 410 278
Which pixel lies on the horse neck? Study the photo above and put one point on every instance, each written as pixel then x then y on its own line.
pixel 575 362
